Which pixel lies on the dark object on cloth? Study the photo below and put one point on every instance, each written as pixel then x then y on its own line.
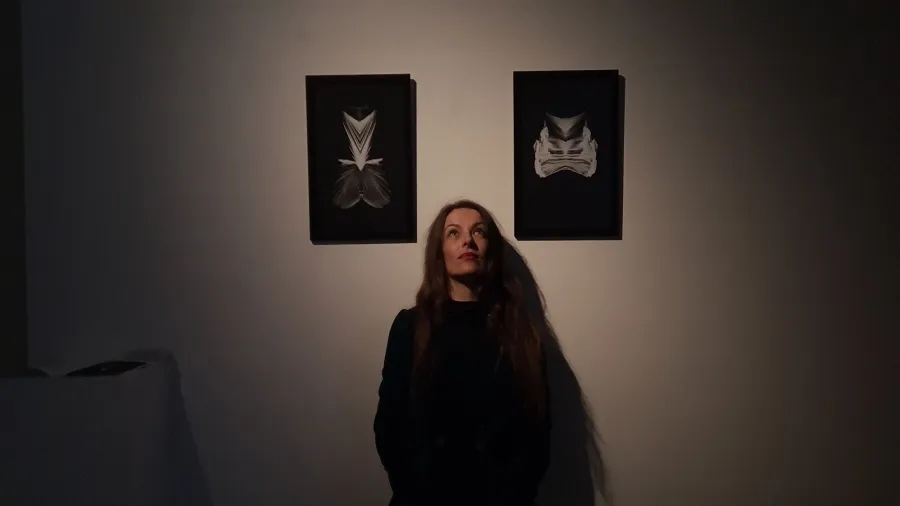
pixel 111 368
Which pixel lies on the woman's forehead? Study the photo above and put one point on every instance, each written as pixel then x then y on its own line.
pixel 463 217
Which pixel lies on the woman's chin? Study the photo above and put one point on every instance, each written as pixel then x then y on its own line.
pixel 465 272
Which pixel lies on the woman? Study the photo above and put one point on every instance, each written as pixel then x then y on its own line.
pixel 463 413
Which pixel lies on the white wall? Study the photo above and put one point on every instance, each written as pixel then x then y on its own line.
pixel 727 344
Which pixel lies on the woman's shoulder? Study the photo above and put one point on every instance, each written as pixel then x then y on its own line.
pixel 405 321
pixel 401 336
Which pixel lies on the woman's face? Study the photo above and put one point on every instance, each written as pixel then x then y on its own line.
pixel 465 242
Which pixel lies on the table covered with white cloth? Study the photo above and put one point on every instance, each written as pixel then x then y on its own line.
pixel 121 440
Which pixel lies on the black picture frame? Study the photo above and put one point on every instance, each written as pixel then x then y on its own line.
pixel 561 197
pixel 361 158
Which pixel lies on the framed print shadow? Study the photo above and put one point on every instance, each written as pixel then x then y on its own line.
pixel 361 158
pixel 568 137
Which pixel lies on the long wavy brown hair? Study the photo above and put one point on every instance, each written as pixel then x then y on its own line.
pixel 500 293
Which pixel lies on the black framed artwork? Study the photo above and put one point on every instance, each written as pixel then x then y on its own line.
pixel 361 158
pixel 568 138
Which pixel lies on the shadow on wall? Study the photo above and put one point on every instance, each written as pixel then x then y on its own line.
pixel 576 473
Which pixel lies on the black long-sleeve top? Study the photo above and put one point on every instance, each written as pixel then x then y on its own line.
pixel 468 440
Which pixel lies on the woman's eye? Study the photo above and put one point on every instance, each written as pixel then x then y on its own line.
pixel 479 232
pixel 452 233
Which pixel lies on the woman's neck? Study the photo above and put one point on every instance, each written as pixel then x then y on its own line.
pixel 461 292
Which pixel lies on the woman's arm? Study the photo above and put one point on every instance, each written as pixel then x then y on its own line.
pixel 393 430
